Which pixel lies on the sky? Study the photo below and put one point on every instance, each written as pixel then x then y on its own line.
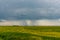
pixel 43 22
pixel 30 9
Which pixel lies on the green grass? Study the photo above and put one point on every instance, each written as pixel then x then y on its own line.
pixel 19 36
pixel 29 32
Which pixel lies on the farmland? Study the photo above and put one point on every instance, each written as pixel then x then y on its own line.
pixel 29 32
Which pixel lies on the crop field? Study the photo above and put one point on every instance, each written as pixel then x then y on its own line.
pixel 29 32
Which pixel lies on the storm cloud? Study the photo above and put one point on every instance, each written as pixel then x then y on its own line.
pixel 29 9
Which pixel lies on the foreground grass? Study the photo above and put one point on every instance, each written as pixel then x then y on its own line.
pixel 18 36
pixel 29 33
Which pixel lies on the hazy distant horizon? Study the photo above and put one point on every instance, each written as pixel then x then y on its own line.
pixel 43 22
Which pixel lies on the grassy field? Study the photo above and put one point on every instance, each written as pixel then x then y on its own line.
pixel 29 32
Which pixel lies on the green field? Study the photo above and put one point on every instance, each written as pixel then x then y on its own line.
pixel 29 32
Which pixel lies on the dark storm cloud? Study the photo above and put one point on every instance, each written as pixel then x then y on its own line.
pixel 29 9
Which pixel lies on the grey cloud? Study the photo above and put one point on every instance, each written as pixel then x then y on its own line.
pixel 29 9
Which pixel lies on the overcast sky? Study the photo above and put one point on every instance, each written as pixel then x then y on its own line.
pixel 29 9
pixel 31 12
